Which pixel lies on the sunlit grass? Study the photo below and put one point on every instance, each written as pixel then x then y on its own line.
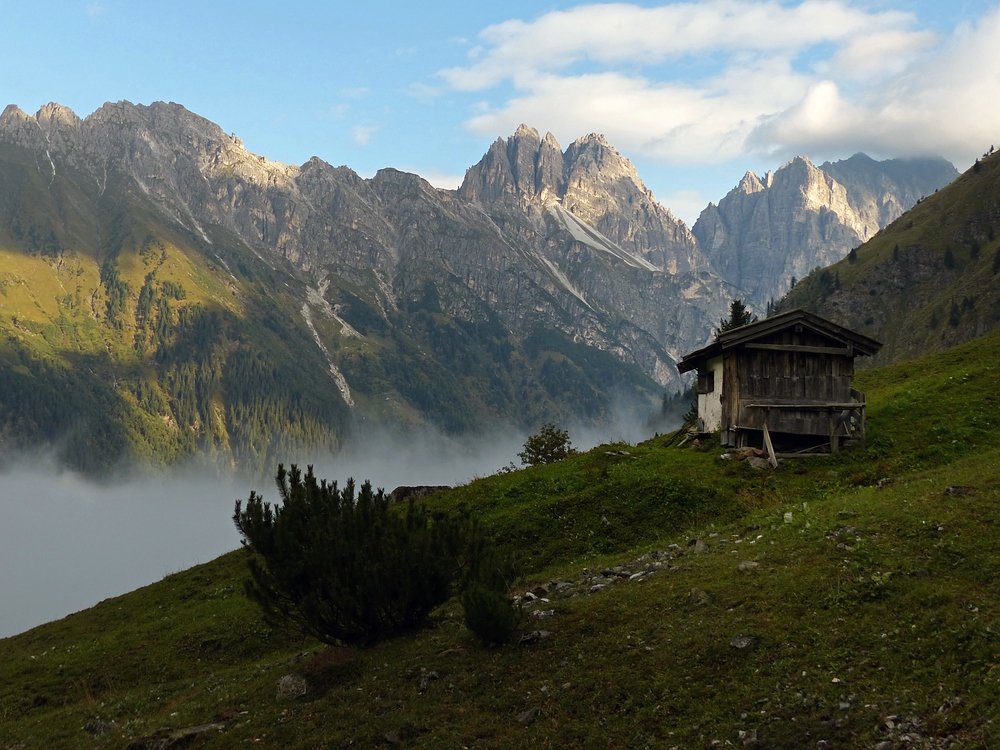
pixel 874 596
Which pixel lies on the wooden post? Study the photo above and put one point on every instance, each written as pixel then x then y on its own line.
pixel 770 448
pixel 834 439
pixel 864 428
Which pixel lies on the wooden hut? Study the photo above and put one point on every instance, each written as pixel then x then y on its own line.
pixel 785 381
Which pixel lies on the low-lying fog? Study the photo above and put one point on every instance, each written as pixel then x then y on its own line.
pixel 66 543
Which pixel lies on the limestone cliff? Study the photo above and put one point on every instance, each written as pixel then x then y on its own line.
pixel 765 233
pixel 551 287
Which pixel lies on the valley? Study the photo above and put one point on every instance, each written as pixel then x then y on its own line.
pixel 159 279
pixel 846 599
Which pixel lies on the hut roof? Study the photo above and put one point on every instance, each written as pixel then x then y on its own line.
pixel 860 344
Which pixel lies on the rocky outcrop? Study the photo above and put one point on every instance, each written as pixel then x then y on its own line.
pixel 588 218
pixel 551 287
pixel 882 191
pixel 765 233
pixel 594 183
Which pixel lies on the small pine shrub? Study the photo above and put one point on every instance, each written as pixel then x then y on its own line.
pixel 949 258
pixel 490 612
pixel 339 566
pixel 492 616
pixel 996 263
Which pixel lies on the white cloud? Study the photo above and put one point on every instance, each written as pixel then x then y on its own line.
pixel 943 103
pixel 611 34
pixel 698 83
pixel 438 178
pixel 878 54
pixel 363 134
pixel 675 122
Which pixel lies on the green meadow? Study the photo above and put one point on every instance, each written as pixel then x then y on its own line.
pixel 840 601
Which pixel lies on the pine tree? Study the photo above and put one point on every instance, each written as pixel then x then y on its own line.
pixel 338 565
pixel 739 316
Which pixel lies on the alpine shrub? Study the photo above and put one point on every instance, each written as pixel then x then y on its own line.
pixel 338 565
pixel 492 616
pixel 490 612
pixel 548 445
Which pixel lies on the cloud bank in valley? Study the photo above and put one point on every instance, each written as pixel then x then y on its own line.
pixel 67 543
pixel 700 83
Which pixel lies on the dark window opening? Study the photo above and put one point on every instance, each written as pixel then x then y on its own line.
pixel 706 381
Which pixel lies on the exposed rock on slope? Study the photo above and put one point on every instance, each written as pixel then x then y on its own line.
pixel 593 182
pixel 928 281
pixel 765 233
pixel 533 293
pixel 586 214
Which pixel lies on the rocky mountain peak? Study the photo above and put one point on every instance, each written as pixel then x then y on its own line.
pixel 526 131
pixel 549 170
pixel 592 181
pixel 594 156
pixel 12 113
pixel 764 232
pixel 750 183
pixel 56 115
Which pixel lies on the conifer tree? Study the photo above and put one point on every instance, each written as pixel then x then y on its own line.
pixel 337 565
pixel 340 566
pixel 739 316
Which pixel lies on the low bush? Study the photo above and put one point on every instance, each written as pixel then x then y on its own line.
pixel 338 565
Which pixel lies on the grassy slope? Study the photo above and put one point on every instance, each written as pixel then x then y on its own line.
pixel 903 290
pixel 59 239
pixel 57 336
pixel 900 618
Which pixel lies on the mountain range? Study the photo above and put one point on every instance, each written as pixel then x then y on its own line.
pixel 927 281
pixel 164 290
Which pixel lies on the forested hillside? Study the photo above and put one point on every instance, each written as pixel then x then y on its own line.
pixel 928 281
pixel 122 339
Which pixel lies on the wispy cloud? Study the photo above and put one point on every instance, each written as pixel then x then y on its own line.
pixel 363 134
pixel 94 10
pixel 423 92
pixel 705 82
pixel 338 111
pixel 612 34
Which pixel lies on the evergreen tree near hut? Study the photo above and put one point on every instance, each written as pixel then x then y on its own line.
pixel 739 316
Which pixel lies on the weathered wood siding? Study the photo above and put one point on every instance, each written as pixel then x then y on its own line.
pixel 730 398
pixel 784 377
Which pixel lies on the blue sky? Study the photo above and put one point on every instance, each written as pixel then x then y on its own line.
pixel 694 93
